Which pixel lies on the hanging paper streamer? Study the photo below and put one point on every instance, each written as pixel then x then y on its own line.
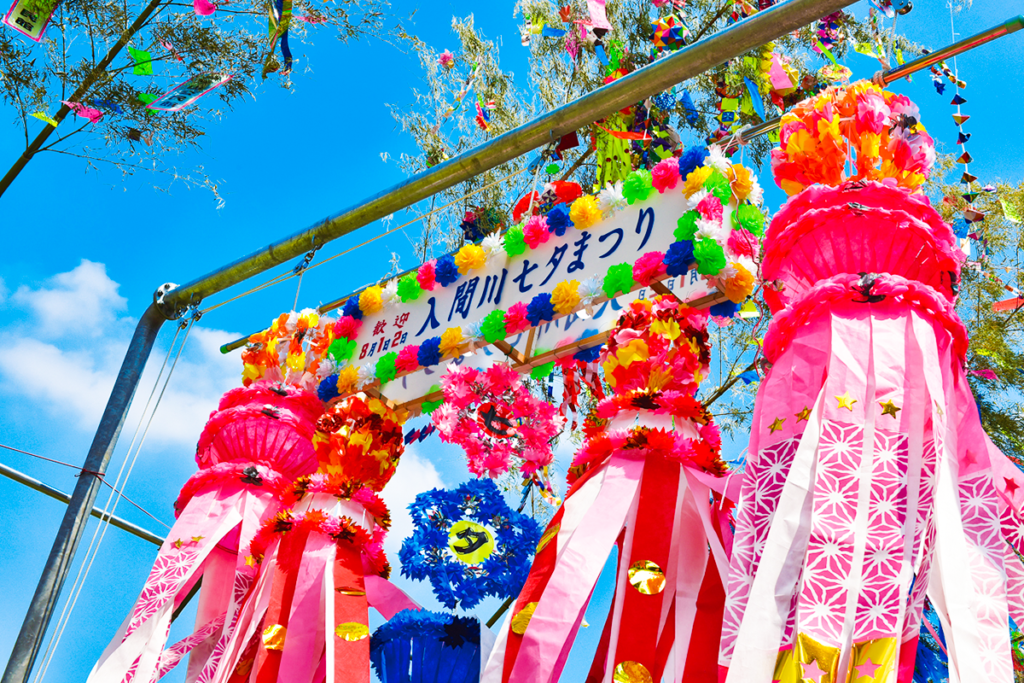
pixel 755 98
pixel 469 544
pixel 251 448
pixel 279 18
pixel 187 93
pixel 689 110
pixel 427 647
pixel 866 409
pixel 641 468
pixel 31 17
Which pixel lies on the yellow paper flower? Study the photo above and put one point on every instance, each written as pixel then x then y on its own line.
pixel 658 378
pixel 470 257
pixel 828 128
pixel 252 372
pixel 369 300
pixel 361 439
pixel 666 328
pixel 347 377
pixel 633 351
pixel 741 181
pixel 565 296
pixel 296 361
pixel 585 212
pixel 740 285
pixel 695 181
pixel 450 341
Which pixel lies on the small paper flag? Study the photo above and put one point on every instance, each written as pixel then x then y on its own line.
pixel 43 117
pixel 143 62
pixel 963 138
pixel 965 158
pixel 957 100
pixel 960 119
pixel 967 178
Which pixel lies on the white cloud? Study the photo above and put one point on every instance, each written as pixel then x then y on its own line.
pixel 81 301
pixel 415 474
pixel 70 377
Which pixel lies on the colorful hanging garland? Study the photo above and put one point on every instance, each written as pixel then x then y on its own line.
pixel 290 350
pixel 495 419
pixel 469 544
pixel 359 441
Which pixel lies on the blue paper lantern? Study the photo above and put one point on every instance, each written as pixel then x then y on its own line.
pixel 427 647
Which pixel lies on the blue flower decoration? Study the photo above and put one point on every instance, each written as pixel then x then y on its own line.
pixel 726 309
pixel 328 388
pixel 691 159
pixel 426 554
pixel 679 257
pixel 446 272
pixel 589 355
pixel 961 228
pixel 558 219
pixel 434 638
pixel 664 101
pixel 430 352
pixel 352 308
pixel 540 309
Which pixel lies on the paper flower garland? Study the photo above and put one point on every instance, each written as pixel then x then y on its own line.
pixel 469 543
pixel 493 417
pixel 290 350
pixel 720 233
pixel 881 130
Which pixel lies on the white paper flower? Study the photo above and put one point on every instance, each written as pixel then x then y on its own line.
pixel 389 294
pixel 717 160
pixel 693 200
pixel 365 375
pixel 494 246
pixel 610 199
pixel 709 229
pixel 326 369
pixel 472 331
pixel 756 192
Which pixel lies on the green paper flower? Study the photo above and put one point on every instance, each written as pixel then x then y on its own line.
pixel 341 350
pixel 718 185
pixel 618 279
pixel 687 226
pixel 514 242
pixel 750 218
pixel 408 288
pixel 542 371
pixel 385 370
pixel 710 257
pixel 431 406
pixel 638 186
pixel 493 326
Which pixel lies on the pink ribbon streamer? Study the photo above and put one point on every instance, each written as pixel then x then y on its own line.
pixel 93 115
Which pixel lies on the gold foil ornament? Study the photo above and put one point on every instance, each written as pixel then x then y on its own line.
pixel 521 620
pixel 470 542
pixel 814 661
pixel 631 672
pixel 646 577
pixel 873 661
pixel 352 631
pixel 273 637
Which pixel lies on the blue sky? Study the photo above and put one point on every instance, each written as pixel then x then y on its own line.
pixel 84 252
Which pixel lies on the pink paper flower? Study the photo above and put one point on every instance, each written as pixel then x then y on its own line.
pixel 407 359
pixel 515 319
pixel 649 267
pixel 742 243
pixel 665 175
pixel 710 208
pixel 536 231
pixel 347 327
pixel 425 275
pixel 446 59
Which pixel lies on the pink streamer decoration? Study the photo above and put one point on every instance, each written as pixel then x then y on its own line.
pixel 93 115
pixel 204 8
pixel 984 374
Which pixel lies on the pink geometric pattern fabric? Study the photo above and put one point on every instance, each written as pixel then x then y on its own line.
pixel 171 567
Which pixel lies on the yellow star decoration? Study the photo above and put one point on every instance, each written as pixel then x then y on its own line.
pixel 777 425
pixel 196 539
pixel 178 543
pixel 803 415
pixel 846 402
pixel 889 408
pixel 250 561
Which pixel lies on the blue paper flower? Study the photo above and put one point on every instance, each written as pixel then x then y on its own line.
pixel 726 309
pixel 588 355
pixel 558 219
pixel 961 228
pixel 664 101
pixel 328 388
pixel 429 352
pixel 427 555
pixel 679 258
pixel 352 308
pixel 445 271
pixel 434 638
pixel 691 159
pixel 540 309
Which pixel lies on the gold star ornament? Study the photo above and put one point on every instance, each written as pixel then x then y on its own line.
pixel 889 408
pixel 803 415
pixel 777 425
pixel 846 402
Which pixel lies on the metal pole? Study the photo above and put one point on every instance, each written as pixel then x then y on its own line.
pixel 923 62
pixel 40 610
pixel 56 494
pixel 688 62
